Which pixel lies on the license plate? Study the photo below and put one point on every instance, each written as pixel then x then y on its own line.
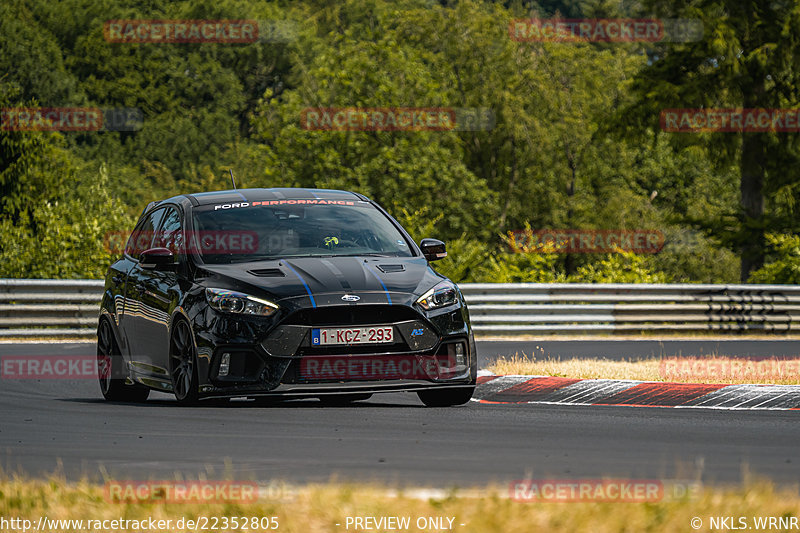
pixel 368 335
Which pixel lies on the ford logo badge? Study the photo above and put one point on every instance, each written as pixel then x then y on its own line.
pixel 351 298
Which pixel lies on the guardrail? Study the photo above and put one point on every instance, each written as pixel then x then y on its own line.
pixel 539 308
pixel 45 307
pixel 69 308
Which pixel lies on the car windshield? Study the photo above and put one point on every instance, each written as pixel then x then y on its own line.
pixel 230 233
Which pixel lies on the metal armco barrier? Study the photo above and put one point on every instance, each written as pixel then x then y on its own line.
pixel 69 308
pixel 46 307
pixel 571 308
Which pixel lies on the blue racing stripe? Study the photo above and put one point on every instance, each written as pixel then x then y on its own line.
pixel 388 296
pixel 308 289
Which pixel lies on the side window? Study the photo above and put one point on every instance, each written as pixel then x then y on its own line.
pixel 170 235
pixel 143 233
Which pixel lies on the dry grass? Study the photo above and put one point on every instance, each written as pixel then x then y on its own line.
pixel 320 508
pixel 678 370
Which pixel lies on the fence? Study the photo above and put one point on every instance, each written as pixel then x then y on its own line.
pixel 69 308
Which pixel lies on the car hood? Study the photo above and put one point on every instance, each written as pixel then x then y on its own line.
pixel 324 281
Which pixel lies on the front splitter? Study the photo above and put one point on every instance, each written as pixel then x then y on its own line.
pixel 318 389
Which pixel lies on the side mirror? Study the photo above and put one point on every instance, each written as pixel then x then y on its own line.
pixel 157 259
pixel 433 249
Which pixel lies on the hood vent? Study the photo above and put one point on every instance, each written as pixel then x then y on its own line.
pixel 387 269
pixel 268 273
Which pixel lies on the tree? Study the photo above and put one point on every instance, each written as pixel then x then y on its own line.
pixel 784 266
pixel 748 58
pixel 370 64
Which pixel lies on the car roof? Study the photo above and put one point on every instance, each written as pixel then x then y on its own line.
pixel 259 195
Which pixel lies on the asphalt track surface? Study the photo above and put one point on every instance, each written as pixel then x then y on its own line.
pixel 616 349
pixel 49 425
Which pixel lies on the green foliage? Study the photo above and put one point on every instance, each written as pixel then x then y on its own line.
pixel 622 267
pixel 689 256
pixel 31 58
pixel 747 58
pixel 466 257
pixel 507 267
pixel 64 238
pixel 373 65
pixel 28 165
pixel 785 264
pixel 553 159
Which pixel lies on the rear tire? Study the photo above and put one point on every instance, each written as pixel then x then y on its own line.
pixel 340 400
pixel 446 397
pixel 183 364
pixel 110 364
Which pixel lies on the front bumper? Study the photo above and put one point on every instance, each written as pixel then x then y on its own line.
pixel 283 360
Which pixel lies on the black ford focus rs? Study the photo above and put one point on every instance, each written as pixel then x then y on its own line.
pixel 281 293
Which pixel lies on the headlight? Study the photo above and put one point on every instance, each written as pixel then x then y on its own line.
pixel 441 295
pixel 237 302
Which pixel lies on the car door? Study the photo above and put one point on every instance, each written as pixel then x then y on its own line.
pixel 135 310
pixel 160 292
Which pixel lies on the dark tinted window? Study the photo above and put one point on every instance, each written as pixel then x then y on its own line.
pixel 170 235
pixel 142 236
pixel 277 231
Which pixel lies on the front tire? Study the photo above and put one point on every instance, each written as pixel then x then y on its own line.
pixel 109 365
pixel 183 364
pixel 446 397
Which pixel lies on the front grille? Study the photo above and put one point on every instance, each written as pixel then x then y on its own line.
pixel 295 373
pixel 352 315
pixel 355 368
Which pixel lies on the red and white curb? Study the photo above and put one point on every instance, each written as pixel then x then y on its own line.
pixel 569 391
